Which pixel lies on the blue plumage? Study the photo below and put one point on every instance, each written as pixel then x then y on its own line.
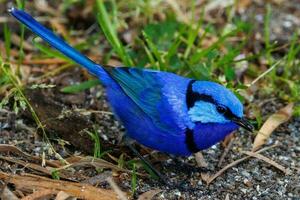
pixel 160 110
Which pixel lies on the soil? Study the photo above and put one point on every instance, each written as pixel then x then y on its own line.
pixel 252 179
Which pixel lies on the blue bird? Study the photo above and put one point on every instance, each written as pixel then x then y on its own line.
pixel 160 110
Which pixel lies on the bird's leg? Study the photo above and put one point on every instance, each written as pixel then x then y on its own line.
pixel 145 161
pixel 181 186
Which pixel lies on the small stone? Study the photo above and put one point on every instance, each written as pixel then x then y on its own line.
pixel 177 193
pixel 247 183
pixel 257 188
pixel 237 178
pixel 246 174
pixel 244 190
pixel 200 183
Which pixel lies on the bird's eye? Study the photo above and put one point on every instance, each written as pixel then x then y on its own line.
pixel 221 109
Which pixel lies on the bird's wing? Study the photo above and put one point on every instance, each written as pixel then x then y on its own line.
pixel 147 89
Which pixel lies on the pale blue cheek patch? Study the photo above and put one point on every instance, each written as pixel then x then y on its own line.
pixel 206 112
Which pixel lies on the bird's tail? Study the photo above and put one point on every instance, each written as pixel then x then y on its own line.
pixel 56 42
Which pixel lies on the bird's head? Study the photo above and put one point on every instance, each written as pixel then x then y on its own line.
pixel 210 102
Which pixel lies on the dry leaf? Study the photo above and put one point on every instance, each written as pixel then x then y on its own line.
pixel 27 182
pixel 271 124
pixel 149 194
pixel 205 177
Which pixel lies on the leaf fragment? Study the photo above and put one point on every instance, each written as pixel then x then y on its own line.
pixel 271 124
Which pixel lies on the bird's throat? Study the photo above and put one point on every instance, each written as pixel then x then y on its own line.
pixel 205 135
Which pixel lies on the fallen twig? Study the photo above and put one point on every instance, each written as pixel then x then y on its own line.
pixel 76 161
pixel 221 171
pixel 33 166
pixel 10 148
pixel 267 160
pixel 149 194
pixel 116 188
pixel 228 147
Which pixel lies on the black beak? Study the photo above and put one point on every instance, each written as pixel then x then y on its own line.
pixel 243 123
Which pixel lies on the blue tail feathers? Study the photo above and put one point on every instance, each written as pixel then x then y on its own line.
pixel 55 41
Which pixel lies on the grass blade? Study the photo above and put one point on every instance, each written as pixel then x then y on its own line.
pixel 7 41
pixel 80 87
pixel 111 35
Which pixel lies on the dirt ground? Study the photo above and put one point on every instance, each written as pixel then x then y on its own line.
pixel 251 179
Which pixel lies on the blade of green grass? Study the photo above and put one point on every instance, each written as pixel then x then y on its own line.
pixel 267 32
pixel 7 41
pixel 150 56
pixel 48 50
pixel 133 179
pixel 80 87
pixel 174 48
pixel 154 50
pixel 97 145
pixel 192 35
pixel 196 57
pixel 293 51
pixel 110 33
pixel 21 5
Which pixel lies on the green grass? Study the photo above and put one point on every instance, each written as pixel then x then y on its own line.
pixel 171 45
pixel 7 41
pixel 55 174
pixel 133 179
pixel 110 33
pixel 178 47
pixel 80 87
pixel 97 145
pixel 21 5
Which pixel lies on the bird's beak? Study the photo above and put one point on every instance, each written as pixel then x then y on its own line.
pixel 243 123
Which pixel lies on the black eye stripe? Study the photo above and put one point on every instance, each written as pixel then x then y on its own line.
pixel 229 115
pixel 222 109
pixel 192 97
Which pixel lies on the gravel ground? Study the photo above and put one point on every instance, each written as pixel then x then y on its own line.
pixel 251 179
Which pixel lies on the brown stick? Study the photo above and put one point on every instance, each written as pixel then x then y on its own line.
pixel 78 190
pixel 267 160
pixel 221 171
